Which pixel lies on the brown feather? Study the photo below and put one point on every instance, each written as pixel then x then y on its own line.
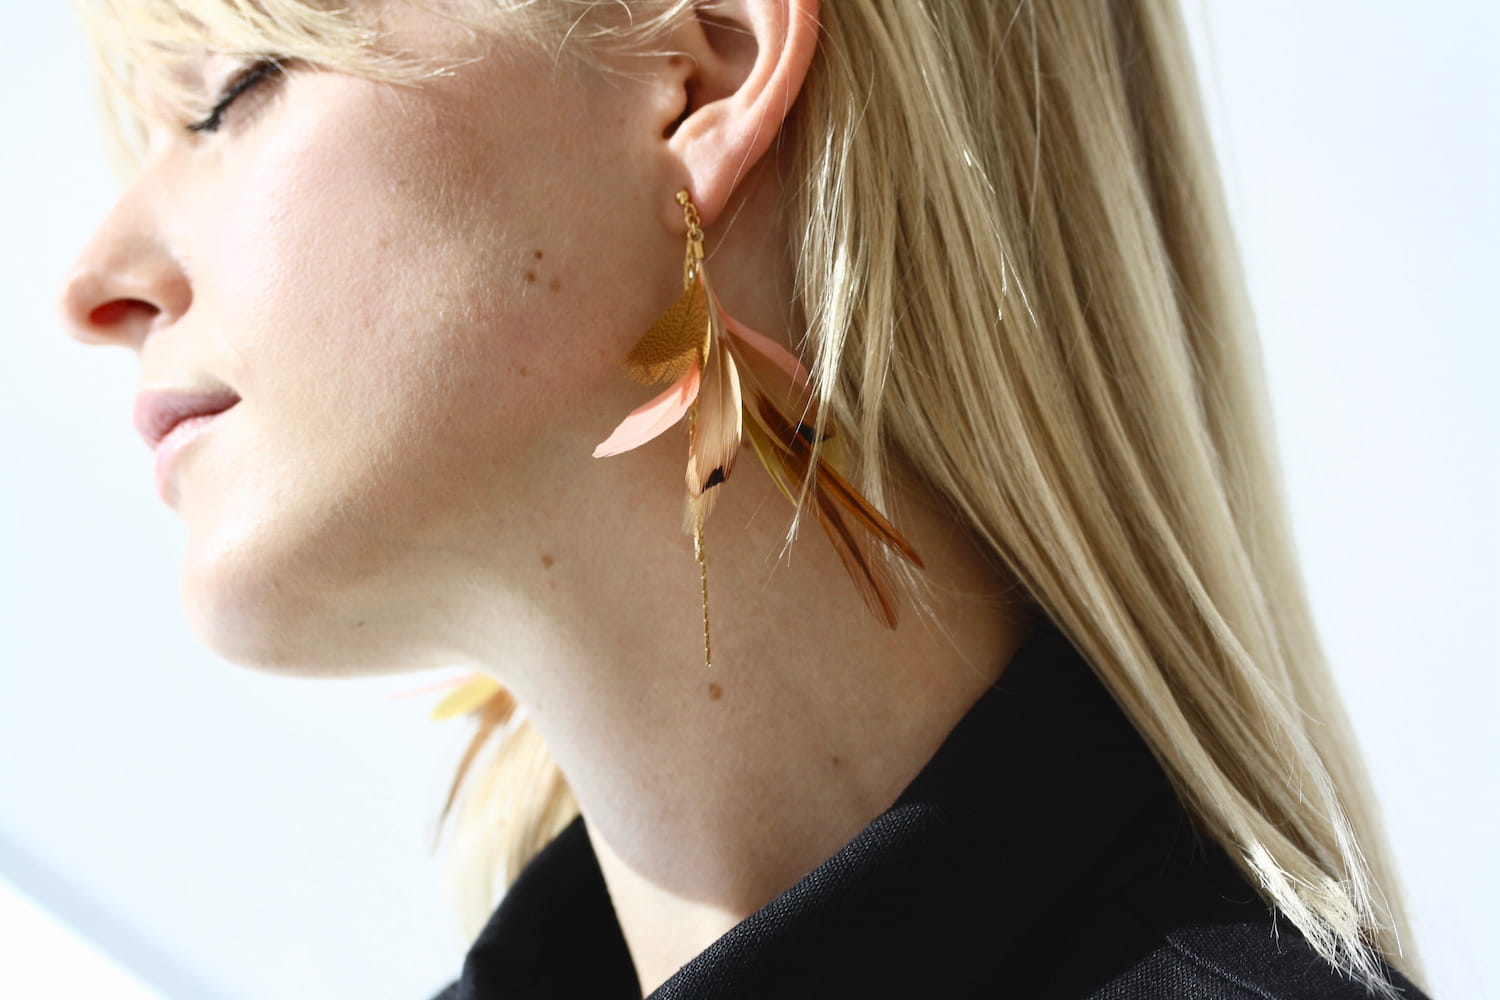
pixel 869 577
pixel 838 488
pixel 846 496
pixel 833 498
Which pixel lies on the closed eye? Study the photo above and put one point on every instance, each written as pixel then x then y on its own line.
pixel 248 78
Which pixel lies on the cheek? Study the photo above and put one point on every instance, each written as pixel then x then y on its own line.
pixel 425 328
pixel 422 321
pixel 369 300
pixel 418 347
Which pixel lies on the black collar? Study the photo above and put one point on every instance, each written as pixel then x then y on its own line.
pixel 1041 830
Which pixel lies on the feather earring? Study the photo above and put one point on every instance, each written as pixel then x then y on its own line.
pixel 719 369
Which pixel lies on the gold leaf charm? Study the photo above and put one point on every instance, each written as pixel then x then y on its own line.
pixel 678 337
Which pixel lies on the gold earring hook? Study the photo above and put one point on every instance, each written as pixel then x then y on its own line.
pixel 694 238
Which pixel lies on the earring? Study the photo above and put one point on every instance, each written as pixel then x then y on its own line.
pixel 720 369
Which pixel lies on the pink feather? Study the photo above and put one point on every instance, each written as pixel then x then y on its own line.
pixel 651 419
pixel 767 348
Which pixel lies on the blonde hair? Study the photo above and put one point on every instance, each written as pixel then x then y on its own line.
pixel 1018 280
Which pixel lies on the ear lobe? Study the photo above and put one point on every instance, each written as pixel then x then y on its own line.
pixel 750 57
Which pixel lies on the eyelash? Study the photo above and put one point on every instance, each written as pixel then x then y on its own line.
pixel 243 81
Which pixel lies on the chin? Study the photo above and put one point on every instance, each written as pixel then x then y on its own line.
pixel 248 619
pixel 293 613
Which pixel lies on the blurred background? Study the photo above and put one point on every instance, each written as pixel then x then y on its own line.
pixel 175 827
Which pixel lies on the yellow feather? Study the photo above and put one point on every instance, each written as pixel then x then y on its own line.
pixel 466 697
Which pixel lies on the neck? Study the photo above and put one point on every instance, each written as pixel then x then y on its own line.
pixel 708 791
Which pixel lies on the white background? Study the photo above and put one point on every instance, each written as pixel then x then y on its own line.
pixel 224 835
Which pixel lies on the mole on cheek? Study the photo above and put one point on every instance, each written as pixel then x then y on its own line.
pixel 537 254
pixel 547 561
pixel 530 277
pixel 554 284
pixel 714 691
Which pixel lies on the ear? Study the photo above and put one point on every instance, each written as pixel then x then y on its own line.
pixel 746 63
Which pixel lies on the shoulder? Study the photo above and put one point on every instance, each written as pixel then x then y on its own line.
pixel 1164 913
pixel 1199 931
pixel 1235 960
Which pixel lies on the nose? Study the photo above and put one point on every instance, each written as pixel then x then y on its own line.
pixel 129 279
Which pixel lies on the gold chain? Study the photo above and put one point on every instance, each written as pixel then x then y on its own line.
pixel 689 274
pixel 698 553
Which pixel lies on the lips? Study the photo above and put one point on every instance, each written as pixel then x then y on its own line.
pixel 157 412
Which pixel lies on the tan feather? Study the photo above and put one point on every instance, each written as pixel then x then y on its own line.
pixel 714 438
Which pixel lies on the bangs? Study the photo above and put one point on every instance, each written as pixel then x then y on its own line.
pixel 143 52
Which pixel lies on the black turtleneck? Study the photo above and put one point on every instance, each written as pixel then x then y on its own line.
pixel 1041 853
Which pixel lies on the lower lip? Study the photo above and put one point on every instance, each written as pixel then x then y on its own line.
pixel 178 438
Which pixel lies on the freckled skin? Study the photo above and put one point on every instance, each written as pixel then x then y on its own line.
pixel 547 562
pixel 715 692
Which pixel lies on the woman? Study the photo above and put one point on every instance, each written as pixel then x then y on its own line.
pixel 1035 709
